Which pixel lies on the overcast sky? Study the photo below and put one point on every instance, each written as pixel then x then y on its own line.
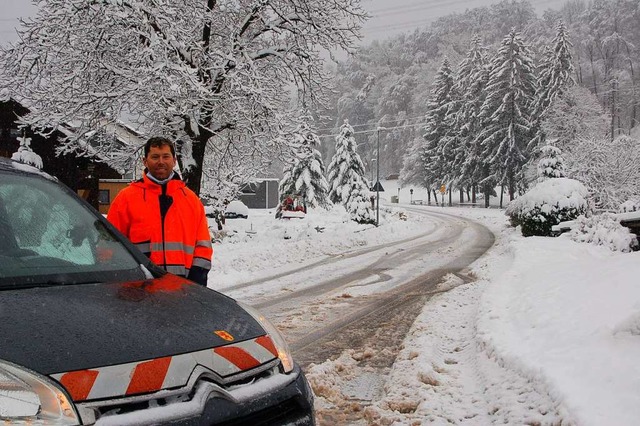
pixel 387 17
pixel 393 17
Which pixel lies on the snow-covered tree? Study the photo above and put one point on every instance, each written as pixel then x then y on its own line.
pixel 413 171
pixel 574 117
pixel 346 167
pixel 213 74
pixel 551 164
pixel 358 203
pixel 471 81
pixel 25 154
pixel 555 76
pixel 555 72
pixel 608 169
pixel 437 152
pixel 305 175
pixel 506 113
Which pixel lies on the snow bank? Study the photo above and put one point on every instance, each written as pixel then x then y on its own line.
pixel 564 315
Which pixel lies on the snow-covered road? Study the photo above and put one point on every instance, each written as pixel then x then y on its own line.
pixel 545 331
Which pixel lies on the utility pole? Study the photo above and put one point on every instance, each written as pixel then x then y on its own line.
pixel 378 177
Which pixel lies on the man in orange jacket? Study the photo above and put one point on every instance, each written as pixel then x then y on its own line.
pixel 163 217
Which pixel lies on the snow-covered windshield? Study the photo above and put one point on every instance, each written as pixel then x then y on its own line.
pixel 48 237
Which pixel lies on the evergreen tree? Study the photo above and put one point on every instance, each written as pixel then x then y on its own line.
pixel 555 72
pixel 554 78
pixel 506 114
pixel 551 164
pixel 345 167
pixel 436 155
pixel 470 85
pixel 305 175
pixel 358 203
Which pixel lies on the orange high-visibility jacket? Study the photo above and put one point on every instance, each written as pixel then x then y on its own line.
pixel 180 243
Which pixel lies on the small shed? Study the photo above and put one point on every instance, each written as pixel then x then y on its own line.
pixel 260 194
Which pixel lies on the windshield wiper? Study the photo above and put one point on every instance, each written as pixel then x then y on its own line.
pixel 50 283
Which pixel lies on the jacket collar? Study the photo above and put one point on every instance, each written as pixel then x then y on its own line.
pixel 145 182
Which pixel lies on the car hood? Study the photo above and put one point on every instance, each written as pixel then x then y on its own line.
pixel 78 327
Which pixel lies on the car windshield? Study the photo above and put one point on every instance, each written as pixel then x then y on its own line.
pixel 48 237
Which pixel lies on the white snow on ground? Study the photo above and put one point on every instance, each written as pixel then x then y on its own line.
pixel 261 245
pixel 549 332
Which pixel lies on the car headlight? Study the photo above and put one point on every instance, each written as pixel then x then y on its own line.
pixel 278 340
pixel 29 398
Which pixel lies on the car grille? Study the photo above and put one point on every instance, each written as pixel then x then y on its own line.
pixel 94 410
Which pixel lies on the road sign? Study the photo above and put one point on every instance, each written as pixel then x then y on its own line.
pixel 377 187
pixel 443 189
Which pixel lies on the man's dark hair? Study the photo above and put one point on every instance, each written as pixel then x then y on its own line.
pixel 159 142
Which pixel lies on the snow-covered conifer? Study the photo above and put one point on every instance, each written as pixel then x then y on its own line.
pixel 25 154
pixel 551 164
pixel 304 176
pixel 506 113
pixel 555 72
pixel 358 203
pixel 345 167
pixel 436 154
pixel 472 77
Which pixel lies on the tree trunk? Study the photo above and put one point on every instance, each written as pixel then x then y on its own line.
pixel 429 197
pixel 193 176
pixel 487 194
pixel 501 194
pixel 435 196
pixel 632 121
pixel 450 196
pixel 593 74
pixel 613 109
pixel 461 195
pixel 474 189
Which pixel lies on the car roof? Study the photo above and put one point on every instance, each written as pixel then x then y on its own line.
pixel 10 166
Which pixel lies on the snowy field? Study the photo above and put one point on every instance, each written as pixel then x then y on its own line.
pixel 549 333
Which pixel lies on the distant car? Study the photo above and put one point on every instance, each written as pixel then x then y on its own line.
pixel 236 209
pixel 93 332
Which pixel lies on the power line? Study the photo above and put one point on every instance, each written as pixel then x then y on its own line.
pixel 374 123
pixel 382 129
pixel 420 6
pixel 411 9
pixel 398 26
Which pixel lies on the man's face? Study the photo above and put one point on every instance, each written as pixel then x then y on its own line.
pixel 160 162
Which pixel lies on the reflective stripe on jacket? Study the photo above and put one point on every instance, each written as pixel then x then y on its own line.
pixel 184 240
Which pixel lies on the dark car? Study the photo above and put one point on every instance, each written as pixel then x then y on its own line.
pixel 92 332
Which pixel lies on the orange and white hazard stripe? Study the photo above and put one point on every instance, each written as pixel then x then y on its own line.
pixel 164 373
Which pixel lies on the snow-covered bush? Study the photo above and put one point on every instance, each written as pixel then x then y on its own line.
pixel 547 204
pixel 604 230
pixel 629 206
